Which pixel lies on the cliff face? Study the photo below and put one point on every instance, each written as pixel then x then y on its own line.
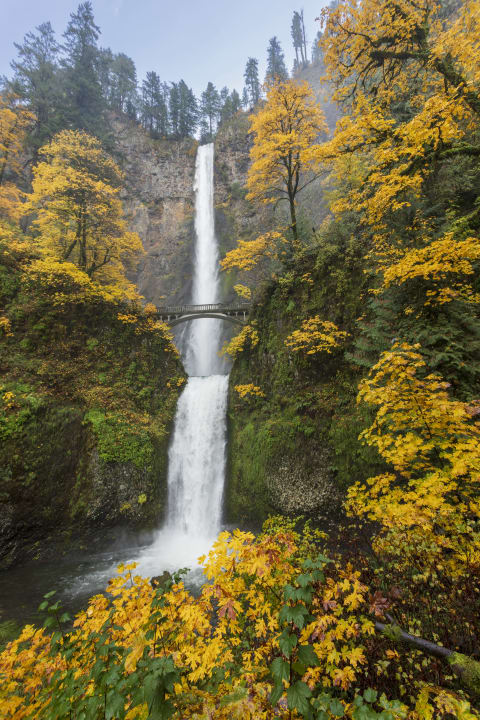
pixel 159 203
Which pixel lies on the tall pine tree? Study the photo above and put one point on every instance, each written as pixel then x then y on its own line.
pixel 36 81
pixel 276 68
pixel 154 109
pixel 251 92
pixel 85 105
pixel 298 38
pixel 231 106
pixel 210 109
pixel 123 82
pixel 188 110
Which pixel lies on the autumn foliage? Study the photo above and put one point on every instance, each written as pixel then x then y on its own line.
pixel 78 214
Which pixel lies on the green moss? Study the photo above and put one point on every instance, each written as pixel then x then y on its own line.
pixel 119 441
pixel 468 670
pixel 79 384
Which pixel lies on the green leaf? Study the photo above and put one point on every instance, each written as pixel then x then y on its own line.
pixel 295 615
pixel 280 670
pixel 43 605
pixel 370 695
pixel 276 693
pixel 49 594
pixel 298 697
pixel 307 655
pixel 364 713
pixel 305 579
pixel 287 642
pixel 299 668
pixel 336 708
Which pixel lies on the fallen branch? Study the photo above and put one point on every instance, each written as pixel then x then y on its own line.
pixel 465 668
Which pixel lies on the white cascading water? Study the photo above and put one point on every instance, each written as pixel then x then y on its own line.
pixel 196 459
pixel 197 453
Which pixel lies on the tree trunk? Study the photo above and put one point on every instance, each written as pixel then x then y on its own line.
pixel 304 38
pixel 293 218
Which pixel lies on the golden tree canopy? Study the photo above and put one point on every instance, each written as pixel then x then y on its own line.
pixel 285 130
pixel 78 210
pixel 409 75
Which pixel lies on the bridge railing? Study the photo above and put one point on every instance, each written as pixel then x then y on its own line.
pixel 212 307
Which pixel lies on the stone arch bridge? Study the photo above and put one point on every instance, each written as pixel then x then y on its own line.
pixel 236 313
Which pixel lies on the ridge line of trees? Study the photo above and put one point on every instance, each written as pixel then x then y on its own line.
pixel 73 83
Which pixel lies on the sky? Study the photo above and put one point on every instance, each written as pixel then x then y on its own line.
pixel 195 40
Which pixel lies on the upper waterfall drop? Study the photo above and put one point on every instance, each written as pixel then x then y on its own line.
pixel 204 336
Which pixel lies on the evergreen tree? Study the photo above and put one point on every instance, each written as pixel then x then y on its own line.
pixel 85 105
pixel 174 109
pixel 235 101
pixel 123 82
pixel 104 69
pixel 210 109
pixel 304 38
pixel 317 54
pixel 36 80
pixel 153 106
pixel 251 92
pixel 230 107
pixel 276 68
pixel 298 36
pixel 188 110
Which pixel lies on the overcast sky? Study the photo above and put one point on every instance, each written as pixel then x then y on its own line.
pixel 197 40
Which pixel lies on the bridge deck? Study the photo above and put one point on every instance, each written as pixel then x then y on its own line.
pixel 234 312
pixel 209 308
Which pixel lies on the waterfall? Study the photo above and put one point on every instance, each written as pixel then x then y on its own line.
pixel 196 461
pixel 196 465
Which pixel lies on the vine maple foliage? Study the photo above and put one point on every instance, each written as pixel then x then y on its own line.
pixel 381 53
pixel 247 337
pixel 407 75
pixel 277 632
pixel 432 443
pixel 285 130
pixel 315 336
